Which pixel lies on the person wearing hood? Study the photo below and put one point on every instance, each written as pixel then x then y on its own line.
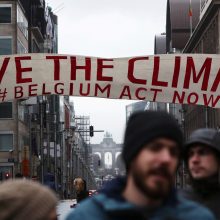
pixel 202 156
pixel 81 189
pixel 151 152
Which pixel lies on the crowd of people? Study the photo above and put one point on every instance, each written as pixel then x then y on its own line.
pixel 152 151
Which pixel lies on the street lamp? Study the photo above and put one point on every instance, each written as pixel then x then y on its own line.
pixel 29 112
pixel 42 101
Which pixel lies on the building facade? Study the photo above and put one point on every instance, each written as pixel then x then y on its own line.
pixel 179 23
pixel 14 138
pixel 205 39
pixel 37 136
pixel 25 124
pixel 195 33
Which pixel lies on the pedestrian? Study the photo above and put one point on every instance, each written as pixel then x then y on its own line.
pixel 81 190
pixel 202 156
pixel 22 199
pixel 151 152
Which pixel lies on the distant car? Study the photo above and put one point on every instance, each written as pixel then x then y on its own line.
pixel 93 192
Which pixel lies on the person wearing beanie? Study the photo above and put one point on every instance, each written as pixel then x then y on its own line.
pixel 202 157
pixel 26 200
pixel 151 152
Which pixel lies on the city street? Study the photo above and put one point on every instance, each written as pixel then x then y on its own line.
pixel 112 102
pixel 63 208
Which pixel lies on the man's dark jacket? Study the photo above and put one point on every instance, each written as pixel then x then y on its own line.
pixel 110 205
pixel 207 193
pixel 82 195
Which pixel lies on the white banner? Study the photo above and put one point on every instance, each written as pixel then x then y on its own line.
pixel 176 78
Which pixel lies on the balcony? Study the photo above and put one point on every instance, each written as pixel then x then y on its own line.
pixel 204 6
pixel 38 35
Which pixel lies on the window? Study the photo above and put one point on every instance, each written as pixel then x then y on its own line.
pixel 22 113
pixel 5 45
pixel 22 22
pixel 5 13
pixel 20 48
pixel 6 110
pixel 6 141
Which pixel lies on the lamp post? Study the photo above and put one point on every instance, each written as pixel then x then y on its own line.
pixel 30 141
pixel 182 167
pixel 48 137
pixel 62 141
pixel 41 105
pixel 29 118
pixel 55 152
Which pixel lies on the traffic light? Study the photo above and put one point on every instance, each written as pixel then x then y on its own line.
pixel 91 131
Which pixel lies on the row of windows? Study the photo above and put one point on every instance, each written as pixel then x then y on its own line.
pixel 6 139
pixel 6 41
pixel 6 108
pixel 5 18
pixel 6 111
pixel 6 46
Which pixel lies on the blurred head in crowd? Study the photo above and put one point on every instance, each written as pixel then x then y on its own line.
pixel 202 153
pixel 25 199
pixel 81 191
pixel 152 147
pixel 79 184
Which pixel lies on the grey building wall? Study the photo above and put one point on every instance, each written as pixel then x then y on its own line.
pixel 205 39
pixel 178 23
pixel 160 44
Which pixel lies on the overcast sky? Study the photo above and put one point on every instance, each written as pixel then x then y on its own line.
pixel 107 28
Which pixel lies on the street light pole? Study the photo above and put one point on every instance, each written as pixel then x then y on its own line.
pixel 55 152
pixel 62 143
pixel 48 137
pixel 41 141
pixel 30 141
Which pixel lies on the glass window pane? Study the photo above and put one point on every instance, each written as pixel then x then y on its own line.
pixel 20 48
pixel 5 14
pixel 6 110
pixel 5 46
pixel 22 22
pixel 6 142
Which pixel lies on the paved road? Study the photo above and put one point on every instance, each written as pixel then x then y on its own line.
pixel 64 208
